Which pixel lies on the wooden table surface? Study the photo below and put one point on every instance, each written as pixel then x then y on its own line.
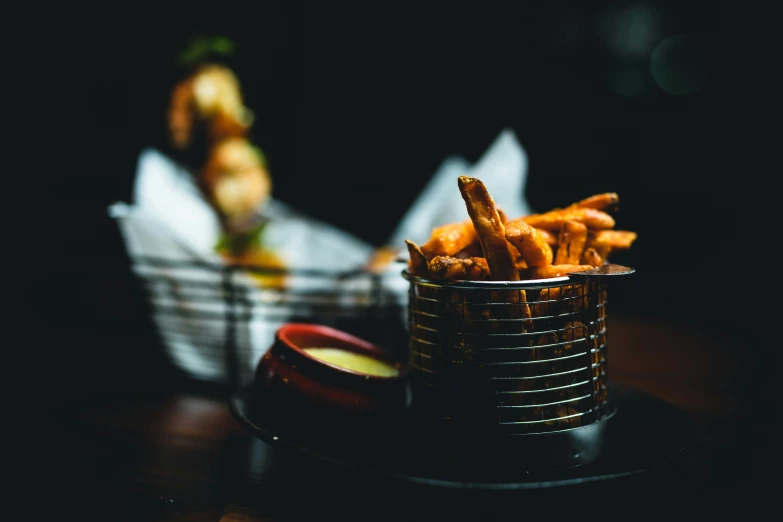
pixel 180 454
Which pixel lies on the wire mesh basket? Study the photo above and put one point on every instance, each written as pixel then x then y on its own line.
pixel 217 320
pixel 509 357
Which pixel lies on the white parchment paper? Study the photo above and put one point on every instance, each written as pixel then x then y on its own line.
pixel 169 219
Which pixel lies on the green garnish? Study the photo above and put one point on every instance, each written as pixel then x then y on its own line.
pixel 203 46
pixel 241 242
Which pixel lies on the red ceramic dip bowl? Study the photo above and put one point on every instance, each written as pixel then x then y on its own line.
pixel 302 385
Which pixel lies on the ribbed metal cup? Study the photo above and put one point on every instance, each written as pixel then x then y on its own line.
pixel 508 358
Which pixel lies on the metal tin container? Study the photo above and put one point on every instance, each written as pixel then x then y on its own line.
pixel 510 358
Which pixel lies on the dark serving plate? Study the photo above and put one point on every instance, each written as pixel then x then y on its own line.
pixel 642 434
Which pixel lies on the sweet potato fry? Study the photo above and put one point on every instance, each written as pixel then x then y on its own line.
pixel 417 263
pixel 602 250
pixel 605 201
pixel 517 308
pixel 449 239
pixel 472 250
pixel 500 254
pixel 614 239
pixel 524 309
pixel 573 331
pixel 591 257
pixel 554 219
pixel 544 272
pixel 607 241
pixel 531 245
pixel 559 299
pixel 543 302
pixel 489 227
pixel 451 268
pixel 549 237
pixel 570 243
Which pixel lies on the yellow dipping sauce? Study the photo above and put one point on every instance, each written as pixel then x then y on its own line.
pixel 354 361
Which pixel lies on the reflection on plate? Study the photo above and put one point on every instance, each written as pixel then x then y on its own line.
pixel 644 434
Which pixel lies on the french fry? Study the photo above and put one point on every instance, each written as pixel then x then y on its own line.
pixel 518 307
pixel 614 239
pixel 558 299
pixel 554 219
pixel 602 250
pixel 451 268
pixel 549 237
pixel 417 263
pixel 545 342
pixel 529 242
pixel 604 201
pixel 545 272
pixel 541 305
pixel 489 227
pixel 573 298
pixel 472 250
pixel 591 257
pixel 498 252
pixel 570 243
pixel 573 331
pixel 449 239
pixel 607 241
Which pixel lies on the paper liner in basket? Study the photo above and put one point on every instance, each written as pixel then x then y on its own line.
pixel 169 219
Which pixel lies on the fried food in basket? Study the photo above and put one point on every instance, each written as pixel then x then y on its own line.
pixel 605 201
pixel 573 331
pixel 208 100
pixel 607 241
pixel 452 268
pixel 270 265
pixel 536 348
pixel 489 227
pixel 449 240
pixel 591 257
pixel 236 180
pixel 545 272
pixel 418 263
pixel 499 253
pixel 549 237
pixel 520 263
pixel 554 219
pixel 570 243
pixel 208 128
pixel 472 250
pixel 490 246
pixel 532 246
pixel 560 299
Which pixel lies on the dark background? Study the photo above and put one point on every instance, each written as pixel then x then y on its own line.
pixel 357 108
